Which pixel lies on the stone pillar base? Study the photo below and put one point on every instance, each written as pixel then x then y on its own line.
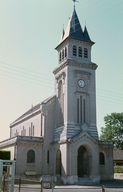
pixel 72 180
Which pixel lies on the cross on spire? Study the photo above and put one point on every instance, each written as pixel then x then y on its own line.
pixel 74 1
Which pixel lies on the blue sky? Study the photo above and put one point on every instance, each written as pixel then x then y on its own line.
pixel 29 32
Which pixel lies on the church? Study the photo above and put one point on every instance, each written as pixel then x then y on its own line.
pixel 59 136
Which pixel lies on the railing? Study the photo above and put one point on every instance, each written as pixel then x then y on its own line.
pixel 28 185
pixel 22 185
pixel 40 185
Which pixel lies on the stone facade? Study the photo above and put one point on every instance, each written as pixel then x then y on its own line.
pixel 59 136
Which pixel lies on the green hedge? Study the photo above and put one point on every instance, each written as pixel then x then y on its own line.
pixel 5 155
pixel 118 169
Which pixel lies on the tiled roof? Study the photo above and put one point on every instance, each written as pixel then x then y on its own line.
pixel 86 35
pixel 75 31
pixel 117 154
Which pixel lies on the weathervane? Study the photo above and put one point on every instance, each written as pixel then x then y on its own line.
pixel 75 2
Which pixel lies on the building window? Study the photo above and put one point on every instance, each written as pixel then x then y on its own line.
pixel 65 52
pixel 31 156
pixel 58 163
pixel 77 110
pixel 61 104
pixel 33 130
pixel 62 54
pixel 29 131
pixel 80 51
pixel 74 50
pixel 85 53
pixel 48 157
pixel 81 109
pixel 102 158
pixel 84 108
pixel 60 89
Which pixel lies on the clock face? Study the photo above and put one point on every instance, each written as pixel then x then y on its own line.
pixel 81 83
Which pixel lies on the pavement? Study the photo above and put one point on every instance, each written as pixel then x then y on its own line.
pixel 115 185
pixel 111 186
pixel 76 189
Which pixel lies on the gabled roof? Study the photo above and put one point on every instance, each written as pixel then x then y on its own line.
pixel 32 110
pixel 74 30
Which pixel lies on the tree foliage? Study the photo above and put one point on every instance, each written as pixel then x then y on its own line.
pixel 113 130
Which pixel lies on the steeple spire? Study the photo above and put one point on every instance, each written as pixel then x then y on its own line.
pixel 86 35
pixel 74 29
pixel 74 2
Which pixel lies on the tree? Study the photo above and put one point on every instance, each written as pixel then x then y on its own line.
pixel 113 130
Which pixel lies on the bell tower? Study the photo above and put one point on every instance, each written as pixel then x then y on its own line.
pixel 75 83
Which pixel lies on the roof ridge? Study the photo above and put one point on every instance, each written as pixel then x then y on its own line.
pixel 32 109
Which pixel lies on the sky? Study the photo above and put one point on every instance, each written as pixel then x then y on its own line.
pixel 29 32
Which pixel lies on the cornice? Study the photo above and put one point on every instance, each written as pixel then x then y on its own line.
pixel 90 65
pixel 74 63
pixel 25 118
pixel 60 67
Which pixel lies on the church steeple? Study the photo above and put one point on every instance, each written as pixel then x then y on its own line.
pixel 74 30
pixel 75 44
pixel 86 35
pixel 75 82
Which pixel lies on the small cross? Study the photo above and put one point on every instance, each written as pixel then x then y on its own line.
pixel 74 2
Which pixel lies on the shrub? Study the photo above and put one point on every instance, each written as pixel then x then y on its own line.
pixel 118 169
pixel 5 155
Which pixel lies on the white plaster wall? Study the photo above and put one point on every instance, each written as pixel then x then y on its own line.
pixel 36 120
pixel 22 166
pixel 106 170
pixel 50 119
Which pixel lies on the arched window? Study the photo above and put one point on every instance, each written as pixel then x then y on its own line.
pixel 65 52
pixel 48 157
pixel 61 104
pixel 85 53
pixel 80 51
pixel 102 158
pixel 62 54
pixel 58 162
pixel 60 89
pixel 31 156
pixel 74 50
pixel 81 109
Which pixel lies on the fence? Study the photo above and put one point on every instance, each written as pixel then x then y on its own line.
pixel 26 185
pixel 29 185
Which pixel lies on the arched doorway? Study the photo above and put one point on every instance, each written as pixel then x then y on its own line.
pixel 83 162
pixel 58 163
